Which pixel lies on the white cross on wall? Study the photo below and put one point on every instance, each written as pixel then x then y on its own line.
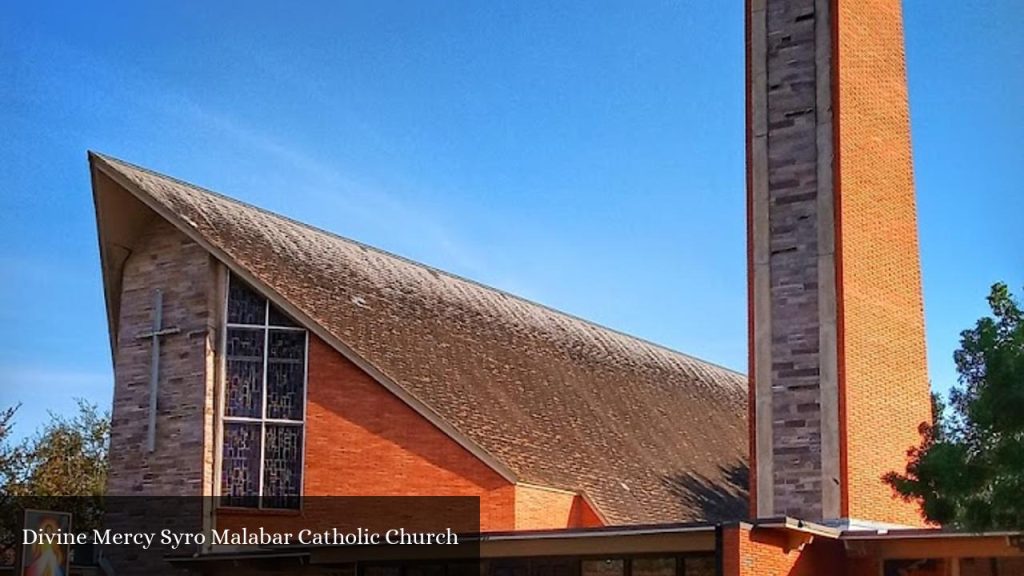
pixel 154 371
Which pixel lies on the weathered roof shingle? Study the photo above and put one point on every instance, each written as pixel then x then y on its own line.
pixel 647 433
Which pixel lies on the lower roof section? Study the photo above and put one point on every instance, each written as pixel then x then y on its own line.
pixel 789 535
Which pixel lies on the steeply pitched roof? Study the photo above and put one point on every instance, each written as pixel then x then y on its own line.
pixel 646 433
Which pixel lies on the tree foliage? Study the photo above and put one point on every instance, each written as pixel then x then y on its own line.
pixel 62 467
pixel 968 471
pixel 66 457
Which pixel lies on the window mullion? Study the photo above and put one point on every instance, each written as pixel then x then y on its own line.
pixel 263 412
pixel 271 326
pixel 305 391
pixel 305 395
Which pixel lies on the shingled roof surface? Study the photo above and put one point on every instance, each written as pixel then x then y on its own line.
pixel 646 433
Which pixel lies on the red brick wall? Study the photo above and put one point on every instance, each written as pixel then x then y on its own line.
pixel 761 552
pixel 540 508
pixel 883 373
pixel 584 515
pixel 363 440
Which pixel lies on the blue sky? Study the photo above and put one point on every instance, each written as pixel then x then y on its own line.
pixel 585 155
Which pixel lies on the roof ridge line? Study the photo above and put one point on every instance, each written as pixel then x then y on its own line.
pixel 412 262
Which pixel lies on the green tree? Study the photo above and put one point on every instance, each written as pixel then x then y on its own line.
pixel 66 457
pixel 62 467
pixel 968 471
pixel 10 458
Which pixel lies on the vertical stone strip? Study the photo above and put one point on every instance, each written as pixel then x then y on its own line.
pixel 831 473
pixel 793 273
pixel 793 246
pixel 762 359
pixel 216 339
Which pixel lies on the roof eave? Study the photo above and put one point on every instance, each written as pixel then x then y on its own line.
pixel 108 293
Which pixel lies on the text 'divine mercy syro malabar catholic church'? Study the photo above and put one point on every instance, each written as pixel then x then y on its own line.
pixel 263 362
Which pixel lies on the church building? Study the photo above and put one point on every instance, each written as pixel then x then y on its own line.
pixel 262 362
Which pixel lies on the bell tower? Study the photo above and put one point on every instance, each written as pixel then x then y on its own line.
pixel 838 370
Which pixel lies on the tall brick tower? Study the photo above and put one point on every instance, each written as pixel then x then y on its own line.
pixel 838 370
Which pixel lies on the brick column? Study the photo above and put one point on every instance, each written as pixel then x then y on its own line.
pixel 837 343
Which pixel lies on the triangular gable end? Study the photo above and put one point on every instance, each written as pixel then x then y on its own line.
pixel 124 210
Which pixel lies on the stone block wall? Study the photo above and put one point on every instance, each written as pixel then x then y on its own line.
pixel 162 489
pixel 164 258
pixel 793 257
pixel 794 416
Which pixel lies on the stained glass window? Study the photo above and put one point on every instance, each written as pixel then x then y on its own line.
pixel 245 305
pixel 286 364
pixel 278 318
pixel 282 449
pixel 241 464
pixel 244 372
pixel 264 403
